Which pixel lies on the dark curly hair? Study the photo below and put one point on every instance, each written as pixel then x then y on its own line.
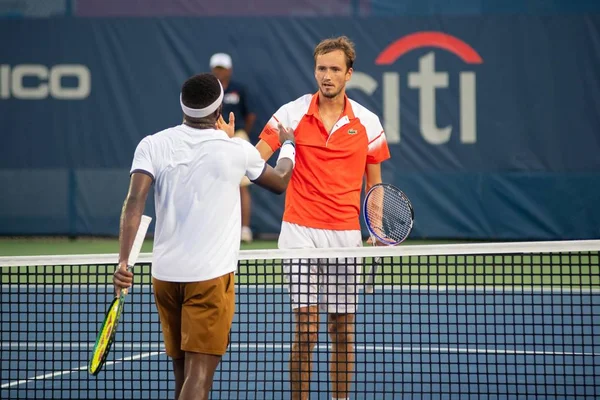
pixel 200 90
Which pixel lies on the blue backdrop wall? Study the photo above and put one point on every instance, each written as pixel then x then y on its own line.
pixel 492 121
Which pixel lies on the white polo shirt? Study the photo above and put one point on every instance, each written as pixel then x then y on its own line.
pixel 197 175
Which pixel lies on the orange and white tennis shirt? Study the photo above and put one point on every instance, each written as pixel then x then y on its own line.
pixel 325 188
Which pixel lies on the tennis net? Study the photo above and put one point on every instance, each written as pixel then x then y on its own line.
pixel 505 320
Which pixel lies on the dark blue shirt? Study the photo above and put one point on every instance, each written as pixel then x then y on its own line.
pixel 235 100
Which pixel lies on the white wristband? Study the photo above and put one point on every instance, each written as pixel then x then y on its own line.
pixel 288 150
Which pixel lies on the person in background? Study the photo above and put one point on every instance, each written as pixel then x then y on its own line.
pixel 236 101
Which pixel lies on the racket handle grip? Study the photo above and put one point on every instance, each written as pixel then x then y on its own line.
pixel 125 291
pixel 370 278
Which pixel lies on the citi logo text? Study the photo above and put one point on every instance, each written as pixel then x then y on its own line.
pixel 36 81
pixel 426 80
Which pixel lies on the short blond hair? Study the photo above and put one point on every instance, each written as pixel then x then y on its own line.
pixel 339 43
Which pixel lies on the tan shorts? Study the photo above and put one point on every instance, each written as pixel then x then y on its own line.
pixel 195 316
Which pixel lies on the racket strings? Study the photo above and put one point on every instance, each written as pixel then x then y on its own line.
pixel 389 213
pixel 105 337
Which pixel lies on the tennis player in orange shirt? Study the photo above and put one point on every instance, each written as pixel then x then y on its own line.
pixel 338 143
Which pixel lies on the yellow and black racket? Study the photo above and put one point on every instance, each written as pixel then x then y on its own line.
pixel 106 335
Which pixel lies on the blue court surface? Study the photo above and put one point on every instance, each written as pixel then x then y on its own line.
pixel 411 342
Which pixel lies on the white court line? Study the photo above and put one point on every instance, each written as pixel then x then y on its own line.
pixel 278 346
pixel 275 346
pixel 76 288
pixel 84 367
pixel 418 349
pixel 68 345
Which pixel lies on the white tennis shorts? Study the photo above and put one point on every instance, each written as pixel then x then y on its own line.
pixel 330 283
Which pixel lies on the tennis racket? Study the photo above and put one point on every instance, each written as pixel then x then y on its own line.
pixel 106 335
pixel 389 218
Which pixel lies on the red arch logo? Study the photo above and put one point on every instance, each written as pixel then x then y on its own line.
pixel 428 39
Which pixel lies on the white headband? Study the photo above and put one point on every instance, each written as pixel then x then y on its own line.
pixel 202 112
